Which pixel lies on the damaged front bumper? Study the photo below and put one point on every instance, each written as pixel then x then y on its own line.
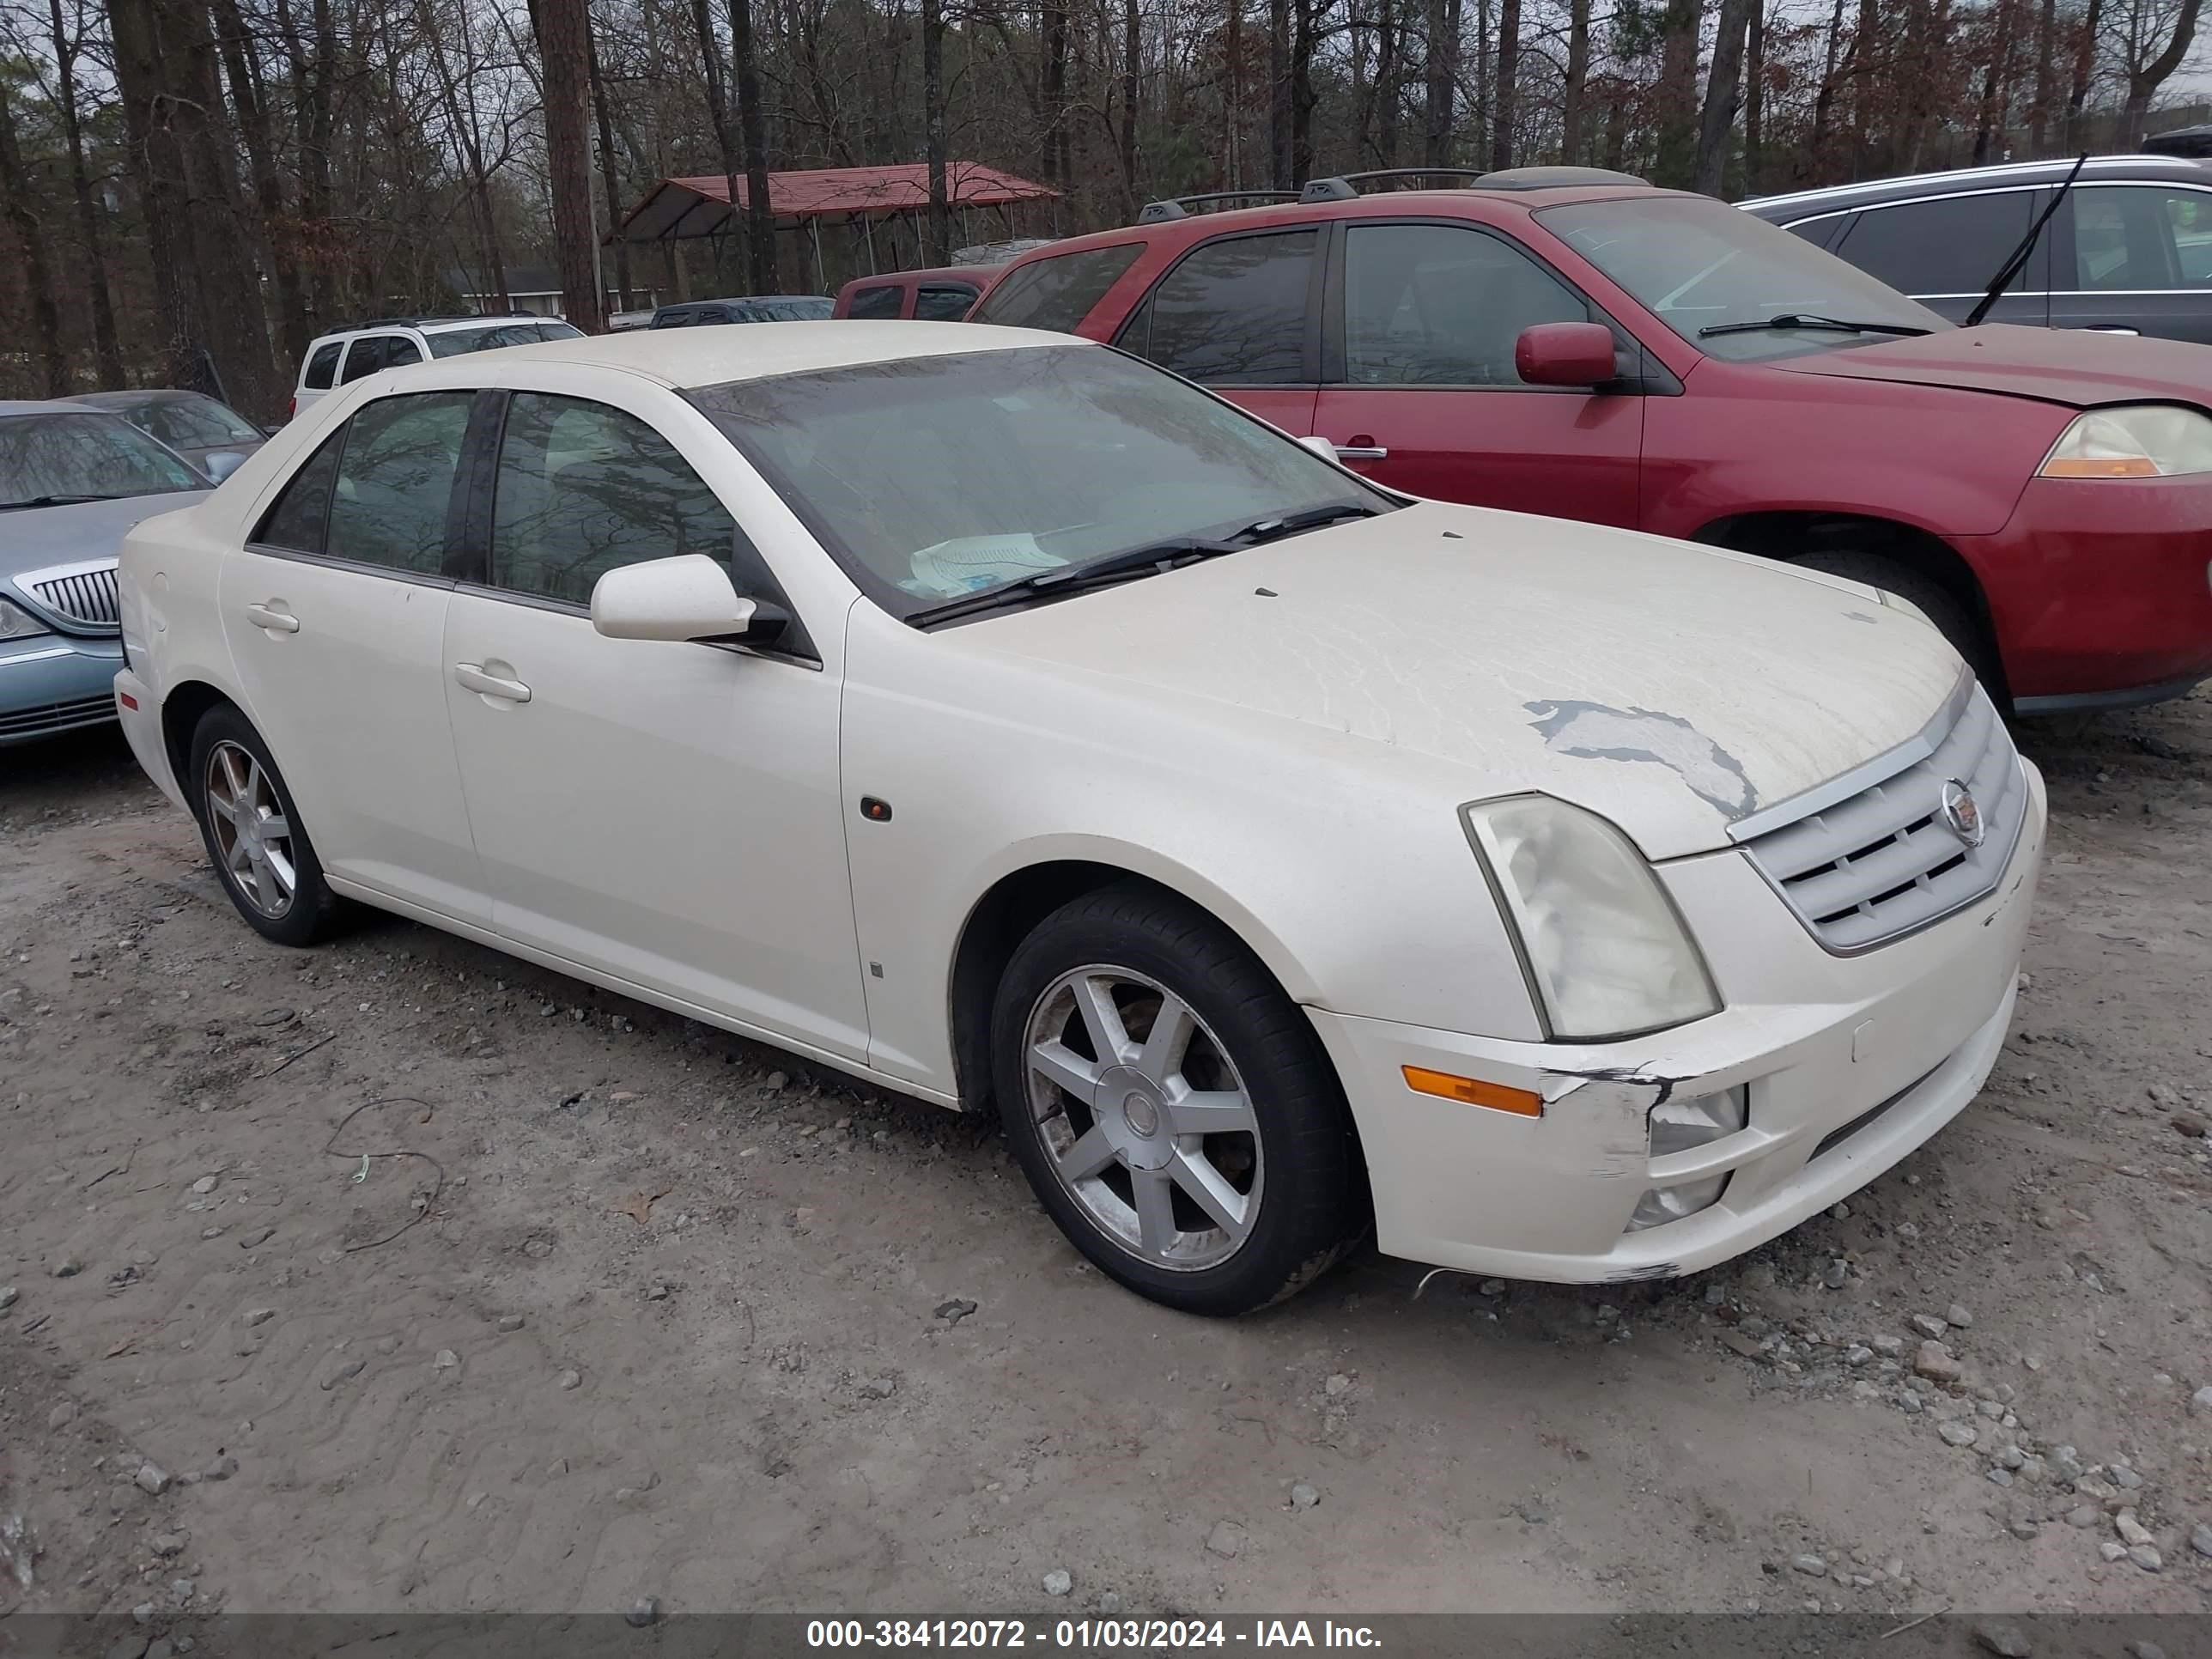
pixel 1852 1062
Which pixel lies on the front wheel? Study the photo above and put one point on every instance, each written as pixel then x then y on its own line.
pixel 1171 1107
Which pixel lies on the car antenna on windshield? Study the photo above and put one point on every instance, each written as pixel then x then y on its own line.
pixel 2011 268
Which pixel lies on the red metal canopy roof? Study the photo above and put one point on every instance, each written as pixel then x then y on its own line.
pixel 698 206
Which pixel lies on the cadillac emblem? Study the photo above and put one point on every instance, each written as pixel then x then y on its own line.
pixel 1963 814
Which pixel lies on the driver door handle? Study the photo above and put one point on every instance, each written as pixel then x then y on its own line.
pixel 1362 453
pixel 275 621
pixel 472 675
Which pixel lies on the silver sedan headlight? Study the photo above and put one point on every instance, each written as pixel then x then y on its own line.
pixel 17 623
pixel 1606 954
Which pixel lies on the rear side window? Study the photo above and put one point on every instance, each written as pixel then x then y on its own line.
pixel 1953 245
pixel 364 357
pixel 874 304
pixel 1429 305
pixel 301 516
pixel 400 349
pixel 1233 313
pixel 2142 236
pixel 583 488
pixel 1060 292
pixel 395 481
pixel 946 304
pixel 323 366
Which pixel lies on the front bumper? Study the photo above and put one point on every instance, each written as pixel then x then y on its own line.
pixel 55 683
pixel 2102 591
pixel 1851 1063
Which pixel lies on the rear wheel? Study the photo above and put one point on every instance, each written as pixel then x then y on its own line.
pixel 1172 1108
pixel 1928 598
pixel 254 837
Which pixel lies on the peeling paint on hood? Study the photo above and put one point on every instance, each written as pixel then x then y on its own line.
pixel 1590 731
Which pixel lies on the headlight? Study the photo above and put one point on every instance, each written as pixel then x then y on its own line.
pixel 1605 952
pixel 2148 440
pixel 17 623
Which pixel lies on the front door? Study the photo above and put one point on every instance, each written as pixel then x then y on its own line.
pixel 667 813
pixel 1419 391
pixel 335 612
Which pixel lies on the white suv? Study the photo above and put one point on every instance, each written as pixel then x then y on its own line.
pixel 394 342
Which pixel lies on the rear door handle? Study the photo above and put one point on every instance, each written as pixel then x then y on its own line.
pixel 1362 453
pixel 273 618
pixel 472 675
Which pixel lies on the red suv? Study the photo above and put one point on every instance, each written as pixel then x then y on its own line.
pixel 1566 342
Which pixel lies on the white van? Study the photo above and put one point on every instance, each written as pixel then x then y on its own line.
pixel 339 358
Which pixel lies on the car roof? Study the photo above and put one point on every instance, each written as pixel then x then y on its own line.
pixel 928 274
pixel 715 357
pixel 738 300
pixel 148 394
pixel 1834 197
pixel 46 406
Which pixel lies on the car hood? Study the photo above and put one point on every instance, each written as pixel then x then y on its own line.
pixel 33 538
pixel 2076 368
pixel 1674 689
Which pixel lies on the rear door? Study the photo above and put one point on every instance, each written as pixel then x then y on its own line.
pixel 1419 391
pixel 1241 315
pixel 2136 258
pixel 1944 250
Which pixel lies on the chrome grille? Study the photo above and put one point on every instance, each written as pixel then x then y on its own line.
pixel 1871 857
pixel 79 593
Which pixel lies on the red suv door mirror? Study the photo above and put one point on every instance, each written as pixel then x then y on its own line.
pixel 1565 353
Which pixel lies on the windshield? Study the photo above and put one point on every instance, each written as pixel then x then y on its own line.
pixel 69 456
pixel 933 477
pixel 451 342
pixel 191 422
pixel 1699 264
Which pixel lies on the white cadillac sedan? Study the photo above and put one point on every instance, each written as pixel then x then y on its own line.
pixel 997 717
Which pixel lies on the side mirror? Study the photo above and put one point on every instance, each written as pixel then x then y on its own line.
pixel 1319 445
pixel 686 598
pixel 221 464
pixel 1565 353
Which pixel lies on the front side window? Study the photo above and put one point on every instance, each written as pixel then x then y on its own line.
pixel 193 422
pixel 1233 313
pixel 450 342
pixel 943 303
pixel 323 366
pixel 52 460
pixel 875 304
pixel 300 521
pixel 583 488
pixel 396 480
pixel 2141 237
pixel 1952 247
pixel 930 478
pixel 1433 305
pixel 1057 293
pixel 1700 266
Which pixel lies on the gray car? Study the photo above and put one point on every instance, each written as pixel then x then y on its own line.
pixel 73 482
pixel 198 427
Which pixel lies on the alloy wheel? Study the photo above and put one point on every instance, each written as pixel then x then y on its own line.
pixel 1142 1117
pixel 252 836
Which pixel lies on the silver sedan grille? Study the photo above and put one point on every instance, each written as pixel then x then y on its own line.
pixel 1903 841
pixel 81 593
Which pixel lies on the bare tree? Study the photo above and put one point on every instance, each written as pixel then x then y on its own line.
pixel 1723 82
pixel 38 269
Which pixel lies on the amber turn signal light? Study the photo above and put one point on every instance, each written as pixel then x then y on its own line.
pixel 1473 1092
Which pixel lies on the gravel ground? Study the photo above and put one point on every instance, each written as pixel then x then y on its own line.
pixel 399 1274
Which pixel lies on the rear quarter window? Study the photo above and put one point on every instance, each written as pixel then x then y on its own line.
pixel 877 302
pixel 1057 293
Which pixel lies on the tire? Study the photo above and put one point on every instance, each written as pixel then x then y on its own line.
pixel 231 765
pixel 1258 1203
pixel 1936 606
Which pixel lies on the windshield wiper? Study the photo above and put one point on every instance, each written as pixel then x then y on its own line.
pixel 54 501
pixel 1807 319
pixel 2016 261
pixel 1148 559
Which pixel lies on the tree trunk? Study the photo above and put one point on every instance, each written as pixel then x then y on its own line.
pixel 38 269
pixel 1754 99
pixel 610 181
pixel 1054 160
pixel 1281 167
pixel 1571 94
pixel 108 351
pixel 1997 82
pixel 268 183
pixel 933 121
pixel 2047 75
pixel 753 119
pixel 1131 84
pixel 1390 75
pixel 1443 81
pixel 1305 96
pixel 564 53
pixel 1676 165
pixel 2144 82
pixel 157 158
pixel 726 136
pixel 1812 159
pixel 1723 85
pixel 1508 66
pixel 2085 65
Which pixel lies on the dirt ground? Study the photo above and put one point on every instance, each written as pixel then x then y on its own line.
pixel 644 1310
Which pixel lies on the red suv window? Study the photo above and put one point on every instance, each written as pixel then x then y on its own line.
pixel 1057 293
pixel 1233 313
